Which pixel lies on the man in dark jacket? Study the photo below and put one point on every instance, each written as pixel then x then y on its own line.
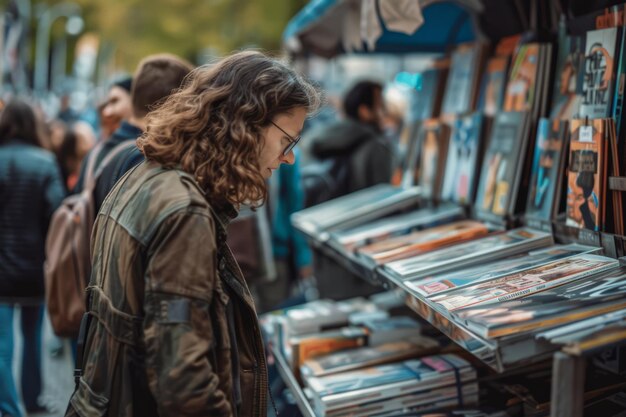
pixel 358 140
pixel 155 78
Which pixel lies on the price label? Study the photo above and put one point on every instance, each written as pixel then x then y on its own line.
pixel 585 134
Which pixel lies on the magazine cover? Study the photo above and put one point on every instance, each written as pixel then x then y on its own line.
pixel 520 88
pixel 422 241
pixel 464 155
pixel 598 75
pixel 499 171
pixel 599 294
pixel 461 86
pixel 585 175
pixel 495 246
pixel 494 81
pixel 440 283
pixel 567 93
pixel 376 383
pixel 368 356
pixel 426 102
pixel 525 283
pixel 548 163
pixel 433 155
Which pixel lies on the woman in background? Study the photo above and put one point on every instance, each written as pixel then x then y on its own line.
pixel 31 189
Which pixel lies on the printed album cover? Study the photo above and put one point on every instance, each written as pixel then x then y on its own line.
pixel 494 246
pixel 445 282
pixel 422 241
pixel 585 178
pixel 520 88
pixel 599 294
pixel 499 177
pixel 433 154
pixel 494 81
pixel 460 89
pixel 598 75
pixel 463 162
pixel 567 89
pixel 426 102
pixel 548 164
pixel 525 283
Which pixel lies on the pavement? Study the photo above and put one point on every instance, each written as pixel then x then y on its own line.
pixel 57 373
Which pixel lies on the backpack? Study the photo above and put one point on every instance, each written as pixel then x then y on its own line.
pixel 68 260
pixel 325 180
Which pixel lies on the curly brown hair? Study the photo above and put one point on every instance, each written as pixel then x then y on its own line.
pixel 213 127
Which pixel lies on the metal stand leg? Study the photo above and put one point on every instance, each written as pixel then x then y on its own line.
pixel 568 380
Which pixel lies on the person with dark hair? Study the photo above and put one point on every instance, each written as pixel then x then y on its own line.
pixel 173 328
pixel 156 77
pixel 31 188
pixel 117 106
pixel 356 145
pixel 146 91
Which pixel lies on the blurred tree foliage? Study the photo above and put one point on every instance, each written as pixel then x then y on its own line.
pixel 192 29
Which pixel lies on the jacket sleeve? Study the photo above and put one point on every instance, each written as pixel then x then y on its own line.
pixel 178 330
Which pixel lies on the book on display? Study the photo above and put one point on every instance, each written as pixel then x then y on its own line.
pixel 462 86
pixel 547 170
pixel 567 90
pixel 367 356
pixel 423 401
pixel 599 71
pixel 494 82
pixel 600 294
pixel 462 166
pixel 426 103
pixel 501 172
pixel 495 246
pixel 586 175
pixel 437 284
pixel 397 225
pixel 354 209
pixel 433 155
pixel 521 86
pixel 350 388
pixel 525 283
pixel 422 241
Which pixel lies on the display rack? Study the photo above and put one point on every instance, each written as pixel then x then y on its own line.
pixel 290 381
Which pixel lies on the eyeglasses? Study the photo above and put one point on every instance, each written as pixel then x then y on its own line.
pixel 292 141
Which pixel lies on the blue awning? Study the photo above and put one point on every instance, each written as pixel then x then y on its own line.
pixel 319 28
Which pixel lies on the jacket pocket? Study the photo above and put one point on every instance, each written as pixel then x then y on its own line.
pixel 87 403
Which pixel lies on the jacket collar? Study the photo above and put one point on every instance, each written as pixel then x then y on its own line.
pixel 126 131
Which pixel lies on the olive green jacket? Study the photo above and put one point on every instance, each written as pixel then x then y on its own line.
pixel 174 331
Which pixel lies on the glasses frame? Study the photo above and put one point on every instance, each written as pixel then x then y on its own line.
pixel 292 141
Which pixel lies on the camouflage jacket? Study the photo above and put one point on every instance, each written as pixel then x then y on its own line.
pixel 174 330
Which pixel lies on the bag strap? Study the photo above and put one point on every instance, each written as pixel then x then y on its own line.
pixel 126 145
pixel 91 166
pixel 92 177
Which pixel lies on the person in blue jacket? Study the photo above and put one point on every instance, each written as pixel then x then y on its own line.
pixel 31 188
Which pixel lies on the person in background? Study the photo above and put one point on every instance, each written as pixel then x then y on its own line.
pixel 78 140
pixel 357 140
pixel 116 107
pixel 31 189
pixel 181 335
pixel 156 77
